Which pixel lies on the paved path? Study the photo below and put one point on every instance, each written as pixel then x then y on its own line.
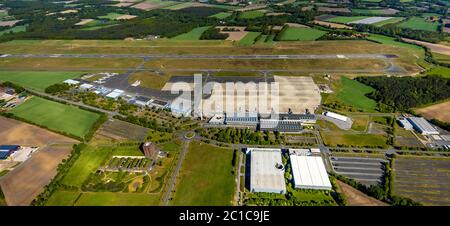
pixel 168 195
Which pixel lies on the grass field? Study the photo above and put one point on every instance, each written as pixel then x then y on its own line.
pixel 14 29
pixel 389 21
pixel 441 71
pixel 149 79
pixel 206 177
pixel 353 93
pixel 37 80
pixel 90 159
pixel 419 23
pixel 249 39
pixel 117 199
pixel 346 19
pixel 63 198
pixel 112 16
pixel 56 116
pixel 221 15
pixel 356 140
pixel 251 14
pixel 300 34
pixel 192 35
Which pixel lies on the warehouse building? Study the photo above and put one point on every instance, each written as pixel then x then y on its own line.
pixel 405 124
pixel 266 170
pixel 336 116
pixel 422 126
pixel 280 126
pixel 308 170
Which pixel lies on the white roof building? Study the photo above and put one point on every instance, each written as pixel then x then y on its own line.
pixel 405 124
pixel 422 126
pixel 86 86
pixel 266 170
pixel 115 93
pixel 309 172
pixel 71 82
pixel 336 116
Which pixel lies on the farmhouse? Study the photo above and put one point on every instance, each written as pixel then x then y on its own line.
pixel 266 170
pixel 422 126
pixel 309 171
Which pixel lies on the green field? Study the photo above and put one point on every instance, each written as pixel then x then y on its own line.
pixel 206 177
pixel 90 159
pixel 111 16
pixel 56 116
pixel 300 34
pixel 62 198
pixel 15 29
pixel 192 35
pixel 249 39
pixel 442 71
pixel 221 15
pixel 37 80
pixel 251 14
pixel 419 23
pixel 353 93
pixel 369 11
pixel 346 19
pixel 356 140
pixel 117 199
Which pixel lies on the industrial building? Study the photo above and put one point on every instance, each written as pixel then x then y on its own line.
pixel 266 170
pixel 7 150
pixel 115 94
pixel 422 126
pixel 280 126
pixel 308 170
pixel 243 119
pixel 336 116
pixel 405 124
pixel 141 101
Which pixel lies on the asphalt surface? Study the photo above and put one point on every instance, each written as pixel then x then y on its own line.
pixel 200 56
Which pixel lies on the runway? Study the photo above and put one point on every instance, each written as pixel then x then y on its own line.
pixel 190 56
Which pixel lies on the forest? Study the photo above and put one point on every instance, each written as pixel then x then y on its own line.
pixel 403 93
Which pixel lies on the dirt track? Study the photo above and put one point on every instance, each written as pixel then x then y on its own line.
pixel 25 182
pixel 357 198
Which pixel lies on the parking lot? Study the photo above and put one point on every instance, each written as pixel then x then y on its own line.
pixel 368 171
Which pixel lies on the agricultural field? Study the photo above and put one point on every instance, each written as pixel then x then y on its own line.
pixel 56 116
pixel 249 38
pixel 17 132
pixel 300 34
pixel 27 181
pixel 117 16
pixel 206 177
pixel 423 179
pixel 221 15
pixel 251 14
pixel 441 71
pixel 420 23
pixel 438 111
pixel 120 131
pixel 37 80
pixel 389 21
pixel 346 19
pixel 195 34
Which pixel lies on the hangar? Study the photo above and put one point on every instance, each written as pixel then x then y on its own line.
pixel 266 170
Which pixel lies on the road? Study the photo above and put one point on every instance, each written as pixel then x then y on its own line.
pixel 168 195
pixel 200 56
